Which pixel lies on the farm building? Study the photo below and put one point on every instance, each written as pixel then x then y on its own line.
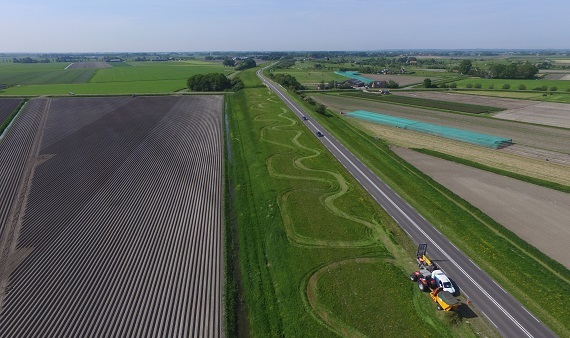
pixel 379 84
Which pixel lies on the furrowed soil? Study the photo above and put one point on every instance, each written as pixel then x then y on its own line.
pixel 537 215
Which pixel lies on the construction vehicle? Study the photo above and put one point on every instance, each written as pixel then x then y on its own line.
pixel 428 281
pixel 444 300
pixel 423 261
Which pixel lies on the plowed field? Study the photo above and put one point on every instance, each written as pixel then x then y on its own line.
pixel 536 214
pixel 111 212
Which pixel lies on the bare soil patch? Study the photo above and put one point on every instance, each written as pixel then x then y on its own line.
pixel 537 215
pixel 471 99
pixel 547 113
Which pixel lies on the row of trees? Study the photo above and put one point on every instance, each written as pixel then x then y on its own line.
pixel 287 81
pixel 213 82
pixel 500 71
pixel 29 60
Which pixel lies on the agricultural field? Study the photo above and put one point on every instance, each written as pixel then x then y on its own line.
pixel 550 114
pixel 560 85
pixel 116 228
pixel 7 106
pixel 317 255
pixel 137 77
pixel 41 74
pixel 402 80
pixel 79 65
pixel 535 214
pixel 425 102
pixel 557 97
pixel 492 247
pixel 534 136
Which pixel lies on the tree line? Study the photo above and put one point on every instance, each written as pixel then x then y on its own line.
pixel 213 82
pixel 287 81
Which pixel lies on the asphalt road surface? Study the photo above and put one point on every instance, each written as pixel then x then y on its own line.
pixel 503 311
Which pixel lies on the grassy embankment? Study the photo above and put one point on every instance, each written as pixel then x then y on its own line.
pixel 139 78
pixel 516 265
pixel 316 253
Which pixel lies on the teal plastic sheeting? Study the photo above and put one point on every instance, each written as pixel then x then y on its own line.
pixel 354 75
pixel 484 140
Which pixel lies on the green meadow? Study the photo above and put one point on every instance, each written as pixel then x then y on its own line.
pixel 135 77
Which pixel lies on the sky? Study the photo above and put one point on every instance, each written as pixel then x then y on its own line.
pixel 81 26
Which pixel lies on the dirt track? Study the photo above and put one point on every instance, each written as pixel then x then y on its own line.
pixel 537 215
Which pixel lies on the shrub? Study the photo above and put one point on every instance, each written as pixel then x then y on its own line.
pixel 522 87
pixel 544 88
pixel 491 86
pixel 553 89
pixel 506 86
pixel 453 85
pixel 477 85
pixel 469 85
pixel 568 89
pixel 452 318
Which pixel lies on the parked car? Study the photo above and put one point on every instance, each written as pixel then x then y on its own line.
pixel 442 281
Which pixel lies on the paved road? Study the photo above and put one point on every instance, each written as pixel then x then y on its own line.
pixel 509 317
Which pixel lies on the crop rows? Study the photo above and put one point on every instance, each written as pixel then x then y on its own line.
pixel 7 106
pixel 124 219
pixel 427 103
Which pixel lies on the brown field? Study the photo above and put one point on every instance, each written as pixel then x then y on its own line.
pixel 546 113
pixel 556 76
pixel 111 218
pixel 471 99
pixel 533 136
pixel 537 215
pixel 403 80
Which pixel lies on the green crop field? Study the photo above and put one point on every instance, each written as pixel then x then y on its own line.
pixel 42 73
pixel 139 78
pixel 153 71
pixel 317 254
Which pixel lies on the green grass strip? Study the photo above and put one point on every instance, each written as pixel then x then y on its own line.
pixel 426 103
pixel 528 179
